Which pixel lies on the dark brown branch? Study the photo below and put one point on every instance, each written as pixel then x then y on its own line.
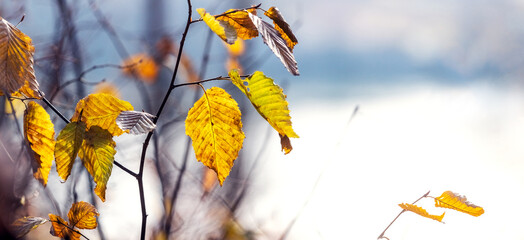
pixel 159 112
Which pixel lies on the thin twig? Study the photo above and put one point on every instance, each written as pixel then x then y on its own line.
pixel 67 121
pixel 150 134
pixel 403 210
pixel 82 74
pixel 230 12
pixel 204 81
pixel 178 184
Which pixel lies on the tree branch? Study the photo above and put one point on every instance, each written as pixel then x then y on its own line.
pixel 384 232
pixel 159 112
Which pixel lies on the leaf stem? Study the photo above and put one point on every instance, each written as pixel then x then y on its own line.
pixel 384 232
pixel 203 81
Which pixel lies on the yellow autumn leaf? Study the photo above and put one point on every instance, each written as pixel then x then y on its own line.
pixel 101 109
pixel 97 154
pixel 222 28
pixel 83 215
pixel 16 56
pixel 39 131
pixel 24 225
pixel 241 22
pixel 282 27
pixel 142 66
pixel 67 145
pixel 109 88
pixel 421 211
pixel 60 228
pixel 214 125
pixel 459 203
pixel 270 102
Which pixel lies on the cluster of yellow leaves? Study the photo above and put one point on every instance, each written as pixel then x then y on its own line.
pixel 90 136
pixel 81 215
pixel 214 125
pixel 244 24
pixel 449 200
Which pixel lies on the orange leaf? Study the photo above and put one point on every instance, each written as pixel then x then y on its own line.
pixel 421 211
pixel 109 88
pixel 61 229
pixel 282 27
pixel 142 66
pixel 236 49
pixel 83 215
pixel 40 133
pixel 459 203
pixel 241 22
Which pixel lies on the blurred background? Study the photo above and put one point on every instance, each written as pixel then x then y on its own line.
pixel 394 99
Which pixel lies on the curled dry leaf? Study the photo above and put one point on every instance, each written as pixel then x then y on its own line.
pixel 24 225
pixel 136 122
pixel 282 27
pixel 421 211
pixel 275 42
pixel 459 203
